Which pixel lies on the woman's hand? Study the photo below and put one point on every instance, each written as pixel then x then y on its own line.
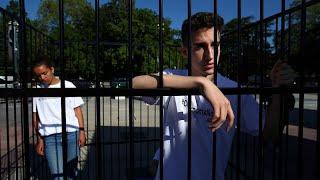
pixel 40 147
pixel 82 138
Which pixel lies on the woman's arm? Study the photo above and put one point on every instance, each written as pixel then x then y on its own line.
pixel 82 135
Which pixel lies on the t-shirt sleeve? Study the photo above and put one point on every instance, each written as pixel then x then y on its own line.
pixel 249 120
pixel 156 100
pixel 150 100
pixel 74 101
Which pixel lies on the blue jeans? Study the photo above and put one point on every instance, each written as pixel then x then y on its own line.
pixel 54 155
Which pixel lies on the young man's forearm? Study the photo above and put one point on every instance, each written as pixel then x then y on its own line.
pixel 169 81
pixel 215 97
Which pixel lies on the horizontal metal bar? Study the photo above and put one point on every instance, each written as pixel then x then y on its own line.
pixel 71 92
pixel 125 142
pixel 109 43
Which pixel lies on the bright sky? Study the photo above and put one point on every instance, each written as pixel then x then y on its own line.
pixel 176 10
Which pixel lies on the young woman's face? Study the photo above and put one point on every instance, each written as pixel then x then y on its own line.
pixel 44 74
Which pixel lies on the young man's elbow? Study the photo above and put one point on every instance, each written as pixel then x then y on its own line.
pixel 135 82
pixel 144 82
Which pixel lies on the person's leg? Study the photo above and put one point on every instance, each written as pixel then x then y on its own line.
pixel 73 152
pixel 53 152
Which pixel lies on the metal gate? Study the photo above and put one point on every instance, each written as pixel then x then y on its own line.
pixel 123 132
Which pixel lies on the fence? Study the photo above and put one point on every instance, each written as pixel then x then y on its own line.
pixel 123 132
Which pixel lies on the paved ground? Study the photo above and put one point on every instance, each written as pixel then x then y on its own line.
pixel 114 128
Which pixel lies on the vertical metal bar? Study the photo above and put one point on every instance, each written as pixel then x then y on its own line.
pixel 41 42
pixel 6 106
pixel 282 48
pixel 62 76
pixel 31 60
pixel 13 54
pixel 246 136
pixel 140 103
pixel 22 133
pixel 276 39
pixel 161 83
pixel 35 41
pixel 31 49
pixel 284 111
pixel 15 136
pixel 148 124
pixel 215 52
pixel 23 58
pixel 155 131
pixel 274 153
pixel 254 159
pixel 274 168
pixel 239 49
pixel 287 120
pixel 189 166
pixel 301 89
pixel 126 126
pixel 261 37
pixel 111 137
pixel 131 122
pixel 98 118
pixel 8 137
pixel 118 144
pixel 148 107
pixel 318 130
pixel 87 120
pixel 255 42
pixel 246 154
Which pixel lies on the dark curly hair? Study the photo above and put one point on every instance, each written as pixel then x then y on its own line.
pixel 198 21
pixel 43 60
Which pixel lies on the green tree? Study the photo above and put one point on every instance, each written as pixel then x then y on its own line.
pixel 311 43
pixel 114 32
pixel 248 61
pixel 145 38
pixel 78 27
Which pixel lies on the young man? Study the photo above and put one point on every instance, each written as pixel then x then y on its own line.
pixel 210 111
pixel 47 121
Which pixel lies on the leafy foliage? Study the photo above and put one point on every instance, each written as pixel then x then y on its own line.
pixel 80 36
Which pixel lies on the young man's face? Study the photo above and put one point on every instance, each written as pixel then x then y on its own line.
pixel 44 74
pixel 202 50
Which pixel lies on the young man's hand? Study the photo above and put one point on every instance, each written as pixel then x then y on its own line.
pixel 82 138
pixel 40 147
pixel 282 74
pixel 220 104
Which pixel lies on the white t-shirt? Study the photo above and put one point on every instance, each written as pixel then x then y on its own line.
pixel 175 133
pixel 49 111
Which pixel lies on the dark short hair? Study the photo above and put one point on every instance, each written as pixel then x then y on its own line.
pixel 43 60
pixel 198 21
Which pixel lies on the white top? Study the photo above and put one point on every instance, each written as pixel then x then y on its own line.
pixel 175 133
pixel 49 111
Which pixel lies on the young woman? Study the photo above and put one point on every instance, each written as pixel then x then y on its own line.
pixel 47 122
